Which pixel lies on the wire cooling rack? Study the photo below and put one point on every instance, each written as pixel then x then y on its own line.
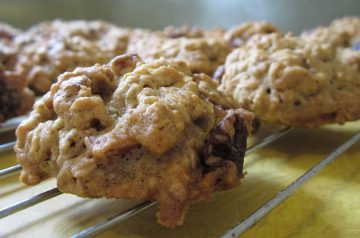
pixel 237 230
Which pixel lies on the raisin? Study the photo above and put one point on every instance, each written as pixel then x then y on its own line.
pixel 222 146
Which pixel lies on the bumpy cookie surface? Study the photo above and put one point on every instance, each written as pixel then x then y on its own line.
pixel 240 34
pixel 287 80
pixel 129 129
pixel 15 97
pixel 202 54
pixel 343 32
pixel 50 48
pixel 192 32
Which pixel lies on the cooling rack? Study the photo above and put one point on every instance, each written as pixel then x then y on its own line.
pixel 237 230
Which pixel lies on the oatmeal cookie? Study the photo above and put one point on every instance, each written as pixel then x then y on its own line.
pixel 51 48
pixel 287 80
pixel 203 55
pixel 343 32
pixel 240 34
pixel 15 98
pixel 135 130
pixel 192 32
pixel 183 31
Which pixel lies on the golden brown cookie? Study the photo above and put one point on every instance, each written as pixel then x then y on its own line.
pixel 240 34
pixel 183 31
pixel 343 32
pixel 135 130
pixel 192 32
pixel 287 80
pixel 202 54
pixel 15 98
pixel 51 48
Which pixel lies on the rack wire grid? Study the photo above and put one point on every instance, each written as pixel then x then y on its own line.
pixel 137 208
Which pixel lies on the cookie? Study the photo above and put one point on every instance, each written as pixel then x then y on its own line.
pixel 135 130
pixel 192 32
pixel 202 54
pixel 183 31
pixel 343 32
pixel 51 48
pixel 290 81
pixel 15 98
pixel 240 34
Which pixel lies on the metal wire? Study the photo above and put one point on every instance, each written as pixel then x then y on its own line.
pixel 8 171
pixel 96 229
pixel 12 124
pixel 267 140
pixel 102 226
pixel 29 202
pixel 280 197
pixel 239 229
pixel 7 146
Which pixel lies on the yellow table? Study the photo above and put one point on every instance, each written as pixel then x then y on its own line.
pixel 326 206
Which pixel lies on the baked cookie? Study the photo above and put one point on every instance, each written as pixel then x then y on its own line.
pixel 202 54
pixel 343 32
pixel 135 130
pixel 351 25
pixel 287 80
pixel 15 98
pixel 51 48
pixel 192 32
pixel 183 31
pixel 240 34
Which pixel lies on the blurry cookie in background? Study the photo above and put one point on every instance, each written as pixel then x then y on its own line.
pixel 15 98
pixel 342 32
pixel 51 48
pixel 286 80
pixel 240 34
pixel 202 54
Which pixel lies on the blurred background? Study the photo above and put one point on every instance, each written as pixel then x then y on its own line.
pixel 288 15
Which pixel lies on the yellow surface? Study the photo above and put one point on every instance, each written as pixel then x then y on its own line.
pixel 326 206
